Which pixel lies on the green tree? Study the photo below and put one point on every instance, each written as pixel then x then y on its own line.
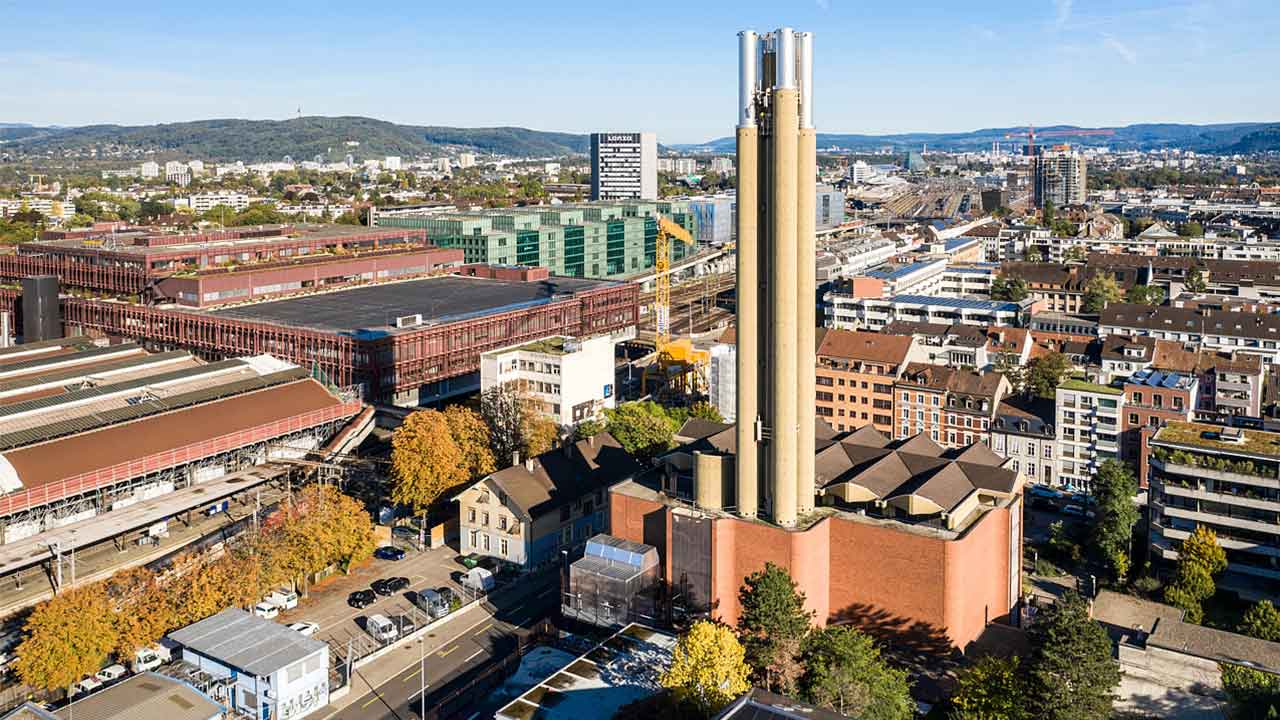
pixel 1145 294
pixel 1196 281
pixel 644 429
pixel 80 220
pixel 707 668
pixel 588 428
pixel 1114 488
pixel 1075 253
pixel 844 672
pixel 1191 229
pixel 1009 288
pixel 426 463
pixel 1200 558
pixel 1048 214
pixel 1044 373
pixel 1071 674
pixel 773 623
pixel 705 411
pixel 1262 621
pixel 68 636
pixel 1034 254
pixel 1253 693
pixel 1101 290
pixel 990 689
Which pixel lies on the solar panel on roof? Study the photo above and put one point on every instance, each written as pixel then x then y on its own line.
pixel 1155 378
pixel 1171 381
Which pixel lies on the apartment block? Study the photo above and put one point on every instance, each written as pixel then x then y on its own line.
pixel 855 377
pixel 1089 422
pixel 1227 480
pixel 1153 399
pixel 1060 177
pixel 851 313
pixel 952 407
pixel 1023 432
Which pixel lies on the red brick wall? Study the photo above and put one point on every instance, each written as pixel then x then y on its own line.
pixel 977 577
pixel 935 592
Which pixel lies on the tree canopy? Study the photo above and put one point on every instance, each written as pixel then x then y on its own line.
pixel 1071 674
pixel 644 429
pixel 1254 694
pixel 1008 288
pixel 991 689
pixel 773 623
pixel 426 462
pixel 707 668
pixel 1196 281
pixel 68 636
pixel 1114 488
pixel 1200 558
pixel 1145 294
pixel 1044 373
pixel 1101 290
pixel 471 434
pixel 844 672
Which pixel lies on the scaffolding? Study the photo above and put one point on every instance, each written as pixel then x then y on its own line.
pixel 615 583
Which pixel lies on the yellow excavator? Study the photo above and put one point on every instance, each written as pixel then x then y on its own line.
pixel 682 367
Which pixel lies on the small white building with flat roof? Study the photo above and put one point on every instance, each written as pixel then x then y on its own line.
pixel 570 379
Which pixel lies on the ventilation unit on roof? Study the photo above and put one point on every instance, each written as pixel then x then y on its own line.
pixel 405 321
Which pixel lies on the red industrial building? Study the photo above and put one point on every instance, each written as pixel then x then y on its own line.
pixel 237 264
pixel 403 342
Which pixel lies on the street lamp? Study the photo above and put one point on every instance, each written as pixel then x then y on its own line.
pixel 422 678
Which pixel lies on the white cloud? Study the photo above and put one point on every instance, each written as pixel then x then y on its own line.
pixel 1125 52
pixel 1061 12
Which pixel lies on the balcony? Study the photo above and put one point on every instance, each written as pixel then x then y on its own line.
pixel 1195 471
pixel 1226 541
pixel 1225 498
pixel 1223 520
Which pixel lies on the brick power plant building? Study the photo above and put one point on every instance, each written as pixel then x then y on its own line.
pixel 895 535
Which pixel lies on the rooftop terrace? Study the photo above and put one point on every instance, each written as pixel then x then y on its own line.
pixel 1216 437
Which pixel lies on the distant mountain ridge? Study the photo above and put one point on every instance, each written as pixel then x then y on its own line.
pixel 1219 138
pixel 299 138
pixel 307 137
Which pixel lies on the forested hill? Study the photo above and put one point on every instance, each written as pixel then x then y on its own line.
pixel 299 138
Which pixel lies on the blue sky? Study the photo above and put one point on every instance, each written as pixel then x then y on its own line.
pixel 667 66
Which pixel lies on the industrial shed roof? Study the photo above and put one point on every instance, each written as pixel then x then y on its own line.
pixel 48 462
pixel 247 642
pixel 147 696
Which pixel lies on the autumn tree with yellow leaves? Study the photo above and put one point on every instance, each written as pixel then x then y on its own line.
pixel 68 636
pixel 708 669
pixel 471 435
pixel 426 461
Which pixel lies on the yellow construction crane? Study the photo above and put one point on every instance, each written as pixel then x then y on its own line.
pixel 667 229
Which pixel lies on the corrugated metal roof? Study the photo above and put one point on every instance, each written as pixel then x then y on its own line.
pixel 247 642
pixel 79 372
pixel 147 696
pixel 62 358
pixel 150 406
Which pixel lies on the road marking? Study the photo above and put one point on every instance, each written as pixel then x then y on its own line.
pixel 371 701
pixel 412 675
pixel 483 630
pixel 473 656
pixel 445 653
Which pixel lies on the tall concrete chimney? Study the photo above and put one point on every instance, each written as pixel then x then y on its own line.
pixel 776 284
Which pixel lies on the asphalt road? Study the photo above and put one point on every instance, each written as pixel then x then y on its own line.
pixel 396 678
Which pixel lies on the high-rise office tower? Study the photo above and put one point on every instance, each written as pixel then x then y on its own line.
pixel 1060 177
pixel 624 166
pixel 776 323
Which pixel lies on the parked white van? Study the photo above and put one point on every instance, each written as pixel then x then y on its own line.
pixel 283 598
pixel 111 672
pixel 266 611
pixel 150 658
pixel 380 628
pixel 87 685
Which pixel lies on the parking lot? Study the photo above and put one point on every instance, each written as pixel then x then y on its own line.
pixel 343 626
